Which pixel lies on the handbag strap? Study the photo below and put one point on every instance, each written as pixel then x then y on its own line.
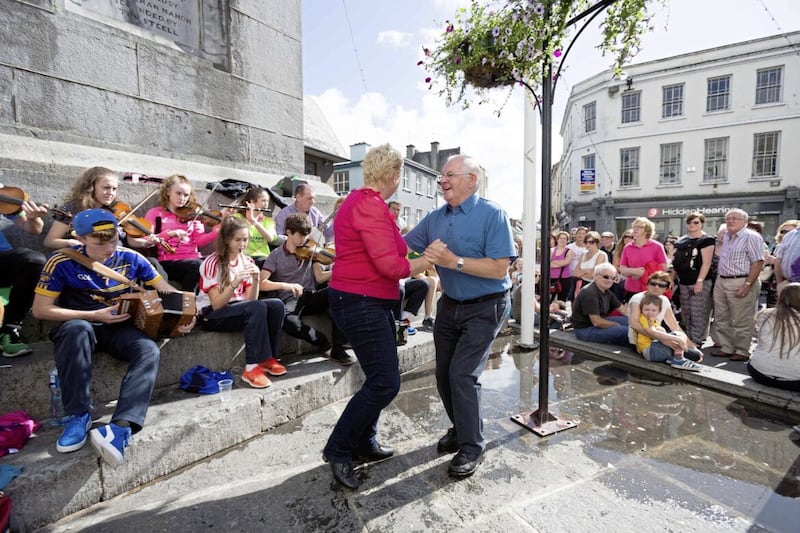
pixel 99 268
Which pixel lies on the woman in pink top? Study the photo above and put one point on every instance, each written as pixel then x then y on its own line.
pixel 642 257
pixel 185 237
pixel 364 288
pixel 560 270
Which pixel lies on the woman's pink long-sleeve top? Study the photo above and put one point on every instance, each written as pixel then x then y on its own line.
pixel 197 236
pixel 370 252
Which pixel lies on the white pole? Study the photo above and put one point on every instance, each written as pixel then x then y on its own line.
pixel 531 176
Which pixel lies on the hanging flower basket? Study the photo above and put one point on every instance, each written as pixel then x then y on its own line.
pixel 488 76
pixel 497 43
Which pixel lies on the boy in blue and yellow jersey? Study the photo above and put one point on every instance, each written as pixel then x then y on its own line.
pixel 85 303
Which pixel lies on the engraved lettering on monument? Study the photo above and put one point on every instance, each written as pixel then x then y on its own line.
pixel 176 20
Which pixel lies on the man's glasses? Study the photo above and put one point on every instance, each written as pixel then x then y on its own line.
pixel 663 285
pixel 450 175
pixel 607 276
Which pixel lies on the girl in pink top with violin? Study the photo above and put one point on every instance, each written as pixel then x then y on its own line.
pixel 182 223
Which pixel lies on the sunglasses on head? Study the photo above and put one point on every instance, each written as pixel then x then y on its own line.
pixel 663 285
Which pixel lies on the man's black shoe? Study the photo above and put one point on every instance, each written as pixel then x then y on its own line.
pixel 448 443
pixel 376 453
pixel 343 474
pixel 340 355
pixel 463 466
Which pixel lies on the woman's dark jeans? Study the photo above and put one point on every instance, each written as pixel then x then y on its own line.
pixel 369 325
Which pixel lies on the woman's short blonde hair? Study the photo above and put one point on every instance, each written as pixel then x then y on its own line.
pixel 380 166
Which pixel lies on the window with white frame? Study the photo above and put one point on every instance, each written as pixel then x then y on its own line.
pixel 341 182
pixel 629 167
pixel 431 186
pixel 765 154
pixel 631 106
pixel 588 161
pixel 590 117
pixel 718 93
pixel 419 180
pixel 672 101
pixel 715 163
pixel 406 214
pixel 406 186
pixel 669 172
pixel 768 85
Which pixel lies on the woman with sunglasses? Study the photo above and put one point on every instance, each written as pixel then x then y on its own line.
pixel 692 266
pixel 657 284
pixel 594 256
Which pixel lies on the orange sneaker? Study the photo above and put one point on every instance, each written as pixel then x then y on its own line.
pixel 256 378
pixel 273 367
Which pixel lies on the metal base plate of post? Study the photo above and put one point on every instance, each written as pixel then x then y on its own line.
pixel 545 427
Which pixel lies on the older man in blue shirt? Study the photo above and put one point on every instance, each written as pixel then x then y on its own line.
pixel 469 240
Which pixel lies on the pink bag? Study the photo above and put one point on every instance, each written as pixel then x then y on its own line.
pixel 16 428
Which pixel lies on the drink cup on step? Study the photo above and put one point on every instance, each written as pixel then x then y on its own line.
pixel 225 388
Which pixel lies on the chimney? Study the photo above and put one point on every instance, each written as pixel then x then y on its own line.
pixel 435 155
pixel 410 151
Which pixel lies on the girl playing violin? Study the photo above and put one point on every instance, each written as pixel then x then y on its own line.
pixel 262 227
pixel 176 224
pixel 228 301
pixel 95 187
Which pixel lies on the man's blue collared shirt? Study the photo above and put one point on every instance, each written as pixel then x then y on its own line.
pixel 477 228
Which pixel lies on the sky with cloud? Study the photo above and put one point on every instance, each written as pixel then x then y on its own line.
pixel 360 62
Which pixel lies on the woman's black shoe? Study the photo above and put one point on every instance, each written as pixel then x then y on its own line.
pixel 376 453
pixel 343 474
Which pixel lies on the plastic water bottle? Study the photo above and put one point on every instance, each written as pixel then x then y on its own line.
pixel 56 405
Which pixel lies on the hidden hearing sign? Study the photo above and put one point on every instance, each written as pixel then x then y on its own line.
pixel 196 26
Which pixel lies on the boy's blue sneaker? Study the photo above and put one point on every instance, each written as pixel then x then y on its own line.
pixel 110 442
pixel 73 437
pixel 685 364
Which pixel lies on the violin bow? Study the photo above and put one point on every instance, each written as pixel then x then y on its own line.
pixel 129 214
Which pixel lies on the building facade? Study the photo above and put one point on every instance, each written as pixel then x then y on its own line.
pixel 706 131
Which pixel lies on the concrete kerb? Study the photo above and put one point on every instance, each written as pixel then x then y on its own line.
pixel 726 381
pixel 181 429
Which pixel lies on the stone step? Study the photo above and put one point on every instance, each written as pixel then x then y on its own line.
pixel 736 383
pixel 181 429
pixel 24 382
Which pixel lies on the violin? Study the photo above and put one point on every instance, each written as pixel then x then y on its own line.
pixel 137 227
pixel 11 200
pixel 193 211
pixel 311 250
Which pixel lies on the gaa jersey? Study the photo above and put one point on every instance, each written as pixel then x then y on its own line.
pixel 75 286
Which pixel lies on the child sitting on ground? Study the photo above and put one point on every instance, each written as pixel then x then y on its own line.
pixel 654 350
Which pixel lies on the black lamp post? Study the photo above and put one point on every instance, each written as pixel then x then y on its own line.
pixel 541 421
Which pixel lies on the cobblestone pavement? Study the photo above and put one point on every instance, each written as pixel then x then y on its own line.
pixel 647 455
